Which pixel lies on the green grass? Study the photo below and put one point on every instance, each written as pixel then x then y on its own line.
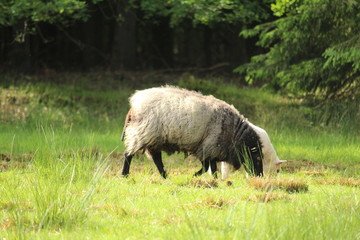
pixel 61 158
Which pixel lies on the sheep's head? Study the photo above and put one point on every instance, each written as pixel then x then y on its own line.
pixel 256 153
pixel 270 161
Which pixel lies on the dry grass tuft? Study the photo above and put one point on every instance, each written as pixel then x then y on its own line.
pixel 351 182
pixel 289 185
pixel 172 219
pixel 156 180
pixel 14 104
pixel 7 223
pixel 201 183
pixel 260 183
pixel 12 161
pixel 5 166
pixel 313 173
pixel 307 166
pixel 8 206
pixel 217 202
pixel 25 157
pixel 268 197
pixel 4 157
pixel 211 202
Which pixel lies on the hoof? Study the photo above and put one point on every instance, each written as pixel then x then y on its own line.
pixel 164 175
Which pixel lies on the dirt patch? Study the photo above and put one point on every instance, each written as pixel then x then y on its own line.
pixel 5 166
pixel 314 169
pixel 289 185
pixel 293 166
pixel 4 157
pixel 10 161
pixel 25 157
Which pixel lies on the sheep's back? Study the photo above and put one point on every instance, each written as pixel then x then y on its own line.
pixel 168 115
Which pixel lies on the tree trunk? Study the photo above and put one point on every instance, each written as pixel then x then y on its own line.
pixel 124 40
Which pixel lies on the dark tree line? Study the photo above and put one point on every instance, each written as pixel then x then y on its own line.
pixel 300 45
pixel 122 35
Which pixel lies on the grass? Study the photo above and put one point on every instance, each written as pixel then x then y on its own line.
pixel 61 157
pixel 289 185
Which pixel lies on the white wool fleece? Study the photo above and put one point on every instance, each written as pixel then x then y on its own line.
pixel 188 119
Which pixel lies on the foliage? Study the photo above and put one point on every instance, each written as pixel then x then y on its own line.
pixel 29 13
pixel 313 46
pixel 282 7
pixel 41 11
pixel 200 12
pixel 206 12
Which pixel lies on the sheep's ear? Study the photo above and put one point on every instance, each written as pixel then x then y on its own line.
pixel 279 162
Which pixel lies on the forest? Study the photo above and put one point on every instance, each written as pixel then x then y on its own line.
pixel 300 45
pixel 68 68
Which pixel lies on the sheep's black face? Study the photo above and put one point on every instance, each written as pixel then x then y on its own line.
pixel 250 150
pixel 256 166
pixel 251 158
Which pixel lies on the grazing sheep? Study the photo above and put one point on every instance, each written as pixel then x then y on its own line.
pixel 171 119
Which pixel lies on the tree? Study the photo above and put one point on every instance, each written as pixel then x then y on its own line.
pixel 204 32
pixel 34 11
pixel 314 45
pixel 131 34
pixel 207 12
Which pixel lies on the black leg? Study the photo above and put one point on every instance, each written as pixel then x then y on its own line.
pixel 156 156
pixel 205 167
pixel 126 166
pixel 213 167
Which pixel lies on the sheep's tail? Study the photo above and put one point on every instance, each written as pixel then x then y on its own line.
pixel 127 120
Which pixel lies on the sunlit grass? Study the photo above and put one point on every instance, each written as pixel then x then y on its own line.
pixel 60 174
pixel 80 194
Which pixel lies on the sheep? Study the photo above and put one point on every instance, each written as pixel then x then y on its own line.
pixel 172 119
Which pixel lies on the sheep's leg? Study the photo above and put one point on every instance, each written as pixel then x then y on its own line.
pixel 156 156
pixel 205 167
pixel 225 169
pixel 126 166
pixel 213 168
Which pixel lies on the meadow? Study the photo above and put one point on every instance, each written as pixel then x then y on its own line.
pixel 61 159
